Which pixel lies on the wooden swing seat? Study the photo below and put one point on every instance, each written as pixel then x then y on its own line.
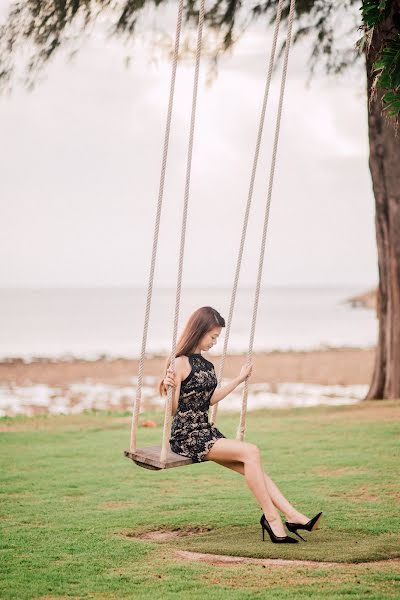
pixel 149 458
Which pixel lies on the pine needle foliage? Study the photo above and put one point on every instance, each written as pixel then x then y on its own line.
pixel 34 31
pixel 386 67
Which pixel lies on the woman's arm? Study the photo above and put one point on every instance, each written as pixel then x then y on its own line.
pixel 174 378
pixel 223 391
pixel 175 397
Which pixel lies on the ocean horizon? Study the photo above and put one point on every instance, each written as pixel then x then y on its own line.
pixel 64 323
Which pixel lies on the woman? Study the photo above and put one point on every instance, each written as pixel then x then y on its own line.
pixel 194 382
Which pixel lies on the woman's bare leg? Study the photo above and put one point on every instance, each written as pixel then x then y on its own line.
pixel 277 497
pixel 291 513
pixel 249 455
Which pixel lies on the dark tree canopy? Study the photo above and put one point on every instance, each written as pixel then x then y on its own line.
pixel 37 29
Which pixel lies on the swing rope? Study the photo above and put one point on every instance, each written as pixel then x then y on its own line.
pixel 249 200
pixel 168 405
pixel 136 410
pixel 242 422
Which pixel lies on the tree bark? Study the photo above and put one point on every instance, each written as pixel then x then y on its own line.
pixel 384 164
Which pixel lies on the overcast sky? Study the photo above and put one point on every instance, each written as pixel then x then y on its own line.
pixel 80 166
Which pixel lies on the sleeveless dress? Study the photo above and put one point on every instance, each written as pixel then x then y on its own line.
pixel 191 433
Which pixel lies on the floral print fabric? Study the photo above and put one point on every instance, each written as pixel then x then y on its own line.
pixel 191 433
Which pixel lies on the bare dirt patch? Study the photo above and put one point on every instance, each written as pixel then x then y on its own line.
pixel 360 494
pixel 165 534
pixel 220 559
pixel 325 472
pixel 53 597
pixel 16 494
pixel 395 494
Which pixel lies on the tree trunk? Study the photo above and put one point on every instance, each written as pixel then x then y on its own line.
pixel 384 164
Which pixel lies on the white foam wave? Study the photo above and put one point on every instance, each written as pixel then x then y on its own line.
pixel 78 397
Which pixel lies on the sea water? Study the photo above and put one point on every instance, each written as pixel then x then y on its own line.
pixel 90 322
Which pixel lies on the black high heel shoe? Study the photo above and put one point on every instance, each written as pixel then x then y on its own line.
pixel 285 539
pixel 312 524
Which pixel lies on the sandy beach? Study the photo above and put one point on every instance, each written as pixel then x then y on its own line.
pixel 336 366
pixel 322 354
pixel 279 380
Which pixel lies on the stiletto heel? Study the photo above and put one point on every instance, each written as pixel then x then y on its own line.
pixel 298 535
pixel 286 539
pixel 310 526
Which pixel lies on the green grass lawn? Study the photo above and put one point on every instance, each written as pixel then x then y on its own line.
pixel 71 506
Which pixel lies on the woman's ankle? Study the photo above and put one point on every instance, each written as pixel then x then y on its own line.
pixel 272 518
pixel 296 517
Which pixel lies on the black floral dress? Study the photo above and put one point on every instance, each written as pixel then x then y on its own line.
pixel 191 433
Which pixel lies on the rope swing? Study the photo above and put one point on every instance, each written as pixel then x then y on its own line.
pixel 161 457
pixel 242 422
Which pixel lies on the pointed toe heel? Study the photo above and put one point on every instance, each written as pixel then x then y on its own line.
pixel 285 539
pixel 311 525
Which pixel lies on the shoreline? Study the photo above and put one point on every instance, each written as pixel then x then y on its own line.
pixel 279 380
pixel 330 366
pixel 70 357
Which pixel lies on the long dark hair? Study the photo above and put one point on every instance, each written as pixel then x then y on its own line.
pixel 200 322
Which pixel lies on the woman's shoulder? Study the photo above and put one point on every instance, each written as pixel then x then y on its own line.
pixel 181 361
pixel 182 364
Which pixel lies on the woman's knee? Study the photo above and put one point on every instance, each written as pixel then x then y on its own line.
pixel 225 449
pixel 252 453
